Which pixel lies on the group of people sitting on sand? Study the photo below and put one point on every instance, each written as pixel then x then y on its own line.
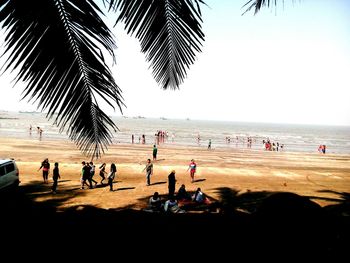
pixel 179 202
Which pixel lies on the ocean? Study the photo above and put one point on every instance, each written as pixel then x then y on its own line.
pixel 295 138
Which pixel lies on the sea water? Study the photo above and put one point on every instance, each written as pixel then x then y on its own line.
pixel 185 132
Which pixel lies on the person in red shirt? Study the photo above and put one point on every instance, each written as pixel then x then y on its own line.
pixel 192 167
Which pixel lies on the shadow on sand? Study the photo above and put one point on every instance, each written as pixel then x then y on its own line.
pixel 199 180
pixel 155 183
pixel 267 224
pixel 124 188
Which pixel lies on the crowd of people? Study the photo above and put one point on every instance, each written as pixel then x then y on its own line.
pixel 175 201
pixel 160 136
pixel 155 203
pixel 88 171
pixel 87 174
pixel 272 146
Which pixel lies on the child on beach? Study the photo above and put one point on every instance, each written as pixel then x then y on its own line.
pixel 55 177
pixel 192 167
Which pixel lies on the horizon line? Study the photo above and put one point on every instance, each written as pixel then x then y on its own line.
pixel 196 119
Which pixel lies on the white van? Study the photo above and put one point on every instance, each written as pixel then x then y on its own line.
pixel 9 174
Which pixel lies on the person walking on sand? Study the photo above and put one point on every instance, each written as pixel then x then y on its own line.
pixel 111 176
pixel 209 144
pixel 92 173
pixel 192 167
pixel 85 175
pixel 154 153
pixel 171 184
pixel 45 165
pixel 149 171
pixel 103 172
pixel 88 173
pixel 55 177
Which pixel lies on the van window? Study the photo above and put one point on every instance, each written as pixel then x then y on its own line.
pixel 10 167
pixel 2 170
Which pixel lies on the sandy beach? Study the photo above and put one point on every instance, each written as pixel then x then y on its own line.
pixel 323 178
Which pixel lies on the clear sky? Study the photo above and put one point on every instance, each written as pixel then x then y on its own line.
pixel 285 65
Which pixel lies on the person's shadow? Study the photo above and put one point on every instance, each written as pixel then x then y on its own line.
pixel 158 183
pixel 199 180
pixel 124 188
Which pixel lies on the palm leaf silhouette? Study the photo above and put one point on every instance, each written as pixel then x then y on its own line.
pixel 258 4
pixel 169 32
pixel 55 45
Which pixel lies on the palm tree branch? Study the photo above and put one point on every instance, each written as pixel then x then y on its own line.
pixel 169 32
pixel 56 46
pixel 258 4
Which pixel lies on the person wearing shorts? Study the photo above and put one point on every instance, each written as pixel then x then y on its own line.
pixel 192 167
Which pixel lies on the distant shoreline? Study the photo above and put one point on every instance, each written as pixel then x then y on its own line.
pixel 179 132
pixel 8 118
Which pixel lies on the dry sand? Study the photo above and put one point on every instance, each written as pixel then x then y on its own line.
pixel 322 177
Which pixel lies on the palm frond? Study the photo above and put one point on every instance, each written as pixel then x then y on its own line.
pixel 258 4
pixel 169 32
pixel 56 46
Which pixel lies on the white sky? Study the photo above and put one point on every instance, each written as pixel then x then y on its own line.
pixel 284 65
